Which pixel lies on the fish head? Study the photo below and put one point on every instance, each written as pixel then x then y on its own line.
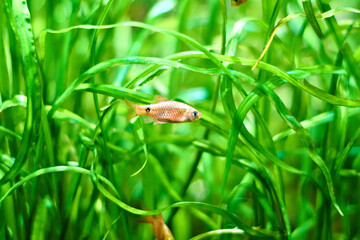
pixel 192 115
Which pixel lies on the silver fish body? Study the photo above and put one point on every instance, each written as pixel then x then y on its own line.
pixel 165 112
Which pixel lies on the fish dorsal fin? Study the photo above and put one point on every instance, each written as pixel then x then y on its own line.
pixel 159 98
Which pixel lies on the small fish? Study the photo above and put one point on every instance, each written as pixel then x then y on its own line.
pixel 164 112
pixel 161 231
pixel 236 3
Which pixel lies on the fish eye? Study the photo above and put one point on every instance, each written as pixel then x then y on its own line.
pixel 195 114
pixel 147 110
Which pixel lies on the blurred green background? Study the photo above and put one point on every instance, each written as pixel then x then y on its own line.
pixel 275 156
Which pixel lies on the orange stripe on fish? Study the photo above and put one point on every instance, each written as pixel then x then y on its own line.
pixel 236 3
pixel 164 112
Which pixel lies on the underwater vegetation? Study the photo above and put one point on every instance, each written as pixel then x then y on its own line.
pixel 265 139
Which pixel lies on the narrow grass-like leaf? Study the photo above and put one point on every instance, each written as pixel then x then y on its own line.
pixel 167 184
pixel 47 135
pixel 161 174
pixel 292 123
pixel 272 134
pixel 40 221
pixel 291 77
pixel 9 132
pixel 208 120
pixel 97 31
pixel 92 71
pixel 318 162
pixel 304 85
pixel 341 159
pixel 217 210
pixel 328 14
pixel 310 15
pixel 220 232
pixel 139 131
pixel 159 9
pixel 16 101
pixel 227 215
pixel 263 175
pixel 314 122
pixel 115 62
pixel 66 115
pixel 114 91
pixel 306 139
pixel 283 21
pixel 95 98
pixel 349 173
pixel 110 228
pixel 20 21
pixel 216 59
pixel 55 170
pixel 50 147
pixel 179 36
pixel 228 100
pixel 237 126
pixel 6 160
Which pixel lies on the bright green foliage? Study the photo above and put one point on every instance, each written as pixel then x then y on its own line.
pixel 275 155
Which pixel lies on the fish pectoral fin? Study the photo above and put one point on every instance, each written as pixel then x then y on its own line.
pixel 147 119
pixel 159 98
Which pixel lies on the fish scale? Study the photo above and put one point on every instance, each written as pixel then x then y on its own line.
pixel 169 111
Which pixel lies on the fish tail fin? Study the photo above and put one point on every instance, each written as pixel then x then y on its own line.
pixel 161 231
pixel 131 107
pixel 150 219
pixel 154 221
pixel 146 219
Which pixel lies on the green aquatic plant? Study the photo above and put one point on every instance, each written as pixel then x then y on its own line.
pixel 274 156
